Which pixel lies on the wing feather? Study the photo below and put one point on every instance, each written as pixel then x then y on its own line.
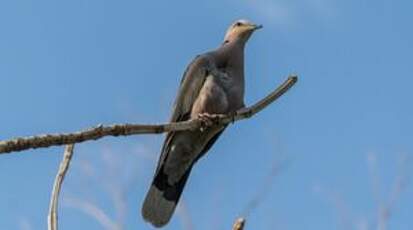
pixel 191 83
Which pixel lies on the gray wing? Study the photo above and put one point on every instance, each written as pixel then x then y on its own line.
pixel 191 84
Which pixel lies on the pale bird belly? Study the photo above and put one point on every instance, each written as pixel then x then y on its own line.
pixel 212 99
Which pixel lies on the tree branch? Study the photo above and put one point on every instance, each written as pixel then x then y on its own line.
pixel 42 141
pixel 239 224
pixel 54 200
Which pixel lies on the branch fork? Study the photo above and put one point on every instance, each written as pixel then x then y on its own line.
pixel 100 131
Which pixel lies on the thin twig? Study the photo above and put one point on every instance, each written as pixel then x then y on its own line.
pixel 42 141
pixel 54 200
pixel 239 224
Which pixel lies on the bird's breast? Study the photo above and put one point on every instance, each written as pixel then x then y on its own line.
pixel 212 98
pixel 233 82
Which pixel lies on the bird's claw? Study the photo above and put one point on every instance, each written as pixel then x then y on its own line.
pixel 207 120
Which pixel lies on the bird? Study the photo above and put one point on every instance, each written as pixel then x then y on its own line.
pixel 213 83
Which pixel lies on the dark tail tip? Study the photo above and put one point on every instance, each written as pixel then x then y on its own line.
pixel 162 198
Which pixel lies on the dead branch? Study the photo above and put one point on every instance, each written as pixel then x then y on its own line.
pixel 42 141
pixel 239 224
pixel 54 200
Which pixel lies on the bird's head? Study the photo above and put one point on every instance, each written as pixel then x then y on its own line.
pixel 241 30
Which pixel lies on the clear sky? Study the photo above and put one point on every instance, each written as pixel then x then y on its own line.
pixel 342 135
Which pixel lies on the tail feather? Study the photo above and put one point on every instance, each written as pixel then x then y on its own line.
pixel 162 198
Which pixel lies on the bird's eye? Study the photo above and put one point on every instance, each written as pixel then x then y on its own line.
pixel 238 24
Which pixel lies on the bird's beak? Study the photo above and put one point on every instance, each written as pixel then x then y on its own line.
pixel 257 27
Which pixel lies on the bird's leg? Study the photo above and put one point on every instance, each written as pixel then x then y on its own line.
pixel 207 120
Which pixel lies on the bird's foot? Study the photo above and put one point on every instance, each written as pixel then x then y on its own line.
pixel 207 120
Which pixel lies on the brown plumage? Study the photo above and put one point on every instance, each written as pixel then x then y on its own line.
pixel 212 84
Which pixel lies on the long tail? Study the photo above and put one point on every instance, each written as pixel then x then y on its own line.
pixel 162 198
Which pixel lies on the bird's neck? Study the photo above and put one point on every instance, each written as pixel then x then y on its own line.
pixel 232 54
pixel 233 65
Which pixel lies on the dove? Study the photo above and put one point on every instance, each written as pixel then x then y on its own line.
pixel 213 83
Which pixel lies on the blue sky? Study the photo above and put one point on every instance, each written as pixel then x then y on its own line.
pixel 342 135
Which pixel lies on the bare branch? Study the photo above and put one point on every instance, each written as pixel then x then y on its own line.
pixel 64 166
pixel 239 224
pixel 100 131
